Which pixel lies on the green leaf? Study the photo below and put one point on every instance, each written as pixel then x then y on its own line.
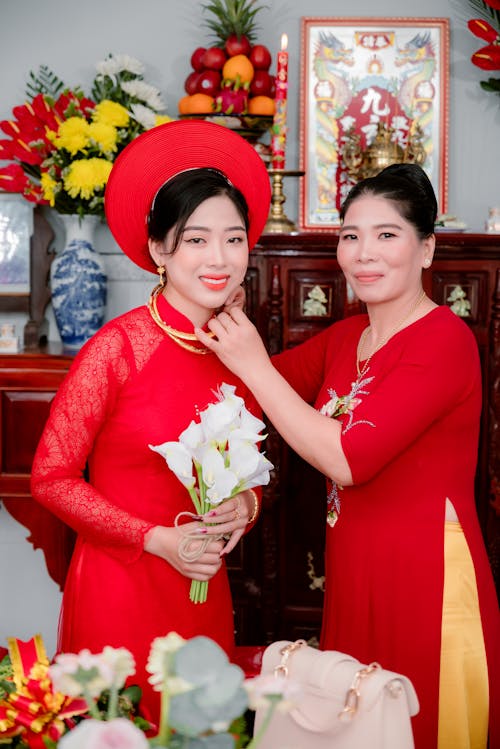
pixel 45 81
pixel 491 85
pixel 483 10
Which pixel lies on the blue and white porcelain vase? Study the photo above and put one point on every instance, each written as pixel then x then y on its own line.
pixel 78 283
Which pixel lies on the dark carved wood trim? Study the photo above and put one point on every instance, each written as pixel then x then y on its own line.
pixel 275 317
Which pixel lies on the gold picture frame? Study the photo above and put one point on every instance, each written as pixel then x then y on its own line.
pixel 358 74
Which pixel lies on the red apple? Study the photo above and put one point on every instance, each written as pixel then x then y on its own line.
pixel 237 45
pixel 260 57
pixel 209 82
pixel 191 82
pixel 262 83
pixel 197 57
pixel 214 58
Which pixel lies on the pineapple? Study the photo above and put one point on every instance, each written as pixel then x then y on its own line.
pixel 232 18
pixel 234 69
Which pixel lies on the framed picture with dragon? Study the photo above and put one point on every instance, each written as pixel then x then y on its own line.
pixel 373 91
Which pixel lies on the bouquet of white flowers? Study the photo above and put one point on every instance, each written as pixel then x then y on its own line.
pixel 218 457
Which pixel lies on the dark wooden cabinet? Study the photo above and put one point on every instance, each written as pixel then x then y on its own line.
pixel 28 382
pixel 294 289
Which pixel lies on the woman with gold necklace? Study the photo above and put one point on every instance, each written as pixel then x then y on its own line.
pixel 393 424
pixel 186 200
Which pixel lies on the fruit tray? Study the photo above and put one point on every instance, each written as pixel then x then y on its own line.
pixel 249 126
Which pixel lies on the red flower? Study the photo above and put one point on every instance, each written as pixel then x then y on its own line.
pixel 68 104
pixel 44 112
pixel 487 58
pixel 13 179
pixel 483 30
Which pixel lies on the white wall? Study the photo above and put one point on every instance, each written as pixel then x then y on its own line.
pixel 29 598
pixel 70 37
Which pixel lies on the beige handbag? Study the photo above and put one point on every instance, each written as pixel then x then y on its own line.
pixel 343 704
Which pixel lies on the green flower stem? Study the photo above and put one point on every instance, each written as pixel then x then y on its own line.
pixel 196 500
pixel 91 704
pixel 113 703
pixel 273 701
pixel 164 731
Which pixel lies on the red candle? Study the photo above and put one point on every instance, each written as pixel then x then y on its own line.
pixel 278 137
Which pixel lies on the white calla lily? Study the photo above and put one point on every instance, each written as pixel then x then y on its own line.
pixel 218 420
pixel 243 458
pixel 219 480
pixel 222 487
pixel 192 437
pixel 179 461
pixel 249 422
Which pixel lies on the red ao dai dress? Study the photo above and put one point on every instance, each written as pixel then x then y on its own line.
pixel 411 442
pixel 130 386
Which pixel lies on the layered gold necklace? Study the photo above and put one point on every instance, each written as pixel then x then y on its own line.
pixel 179 336
pixel 393 330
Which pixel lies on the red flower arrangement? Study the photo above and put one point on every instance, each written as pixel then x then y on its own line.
pixel 60 145
pixel 488 29
pixel 29 146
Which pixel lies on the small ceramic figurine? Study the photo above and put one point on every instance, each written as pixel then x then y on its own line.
pixel 493 220
pixel 9 342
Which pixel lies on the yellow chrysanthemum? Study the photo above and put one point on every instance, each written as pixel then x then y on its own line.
pixel 160 119
pixel 73 135
pixel 111 113
pixel 48 186
pixel 84 177
pixel 104 135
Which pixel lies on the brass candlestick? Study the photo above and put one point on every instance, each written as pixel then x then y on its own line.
pixel 278 222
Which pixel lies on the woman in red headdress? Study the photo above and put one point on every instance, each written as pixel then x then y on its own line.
pixel 186 200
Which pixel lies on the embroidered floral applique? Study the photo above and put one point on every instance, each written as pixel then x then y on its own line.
pixel 343 405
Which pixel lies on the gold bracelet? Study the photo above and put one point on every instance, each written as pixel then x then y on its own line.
pixel 256 506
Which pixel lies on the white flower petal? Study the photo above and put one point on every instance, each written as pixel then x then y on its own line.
pixel 143 115
pixel 193 436
pixel 178 460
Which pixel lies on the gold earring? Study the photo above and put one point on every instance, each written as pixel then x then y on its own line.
pixel 163 274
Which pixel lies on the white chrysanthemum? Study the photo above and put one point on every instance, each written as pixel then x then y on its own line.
pixel 145 93
pixel 121 663
pixel 118 63
pixel 159 664
pixel 71 673
pixel 144 116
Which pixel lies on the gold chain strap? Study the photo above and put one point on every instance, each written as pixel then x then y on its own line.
pixel 353 695
pixel 282 669
pixel 351 704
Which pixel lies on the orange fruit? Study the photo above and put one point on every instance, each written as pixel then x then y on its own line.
pixel 261 105
pixel 239 65
pixel 196 104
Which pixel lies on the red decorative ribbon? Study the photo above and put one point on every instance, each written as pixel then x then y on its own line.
pixel 34 709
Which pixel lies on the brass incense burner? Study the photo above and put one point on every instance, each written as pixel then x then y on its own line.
pixel 382 151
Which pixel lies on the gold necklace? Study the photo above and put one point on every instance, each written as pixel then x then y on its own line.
pixel 179 336
pixel 394 330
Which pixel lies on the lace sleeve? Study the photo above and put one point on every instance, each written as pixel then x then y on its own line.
pixel 80 407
